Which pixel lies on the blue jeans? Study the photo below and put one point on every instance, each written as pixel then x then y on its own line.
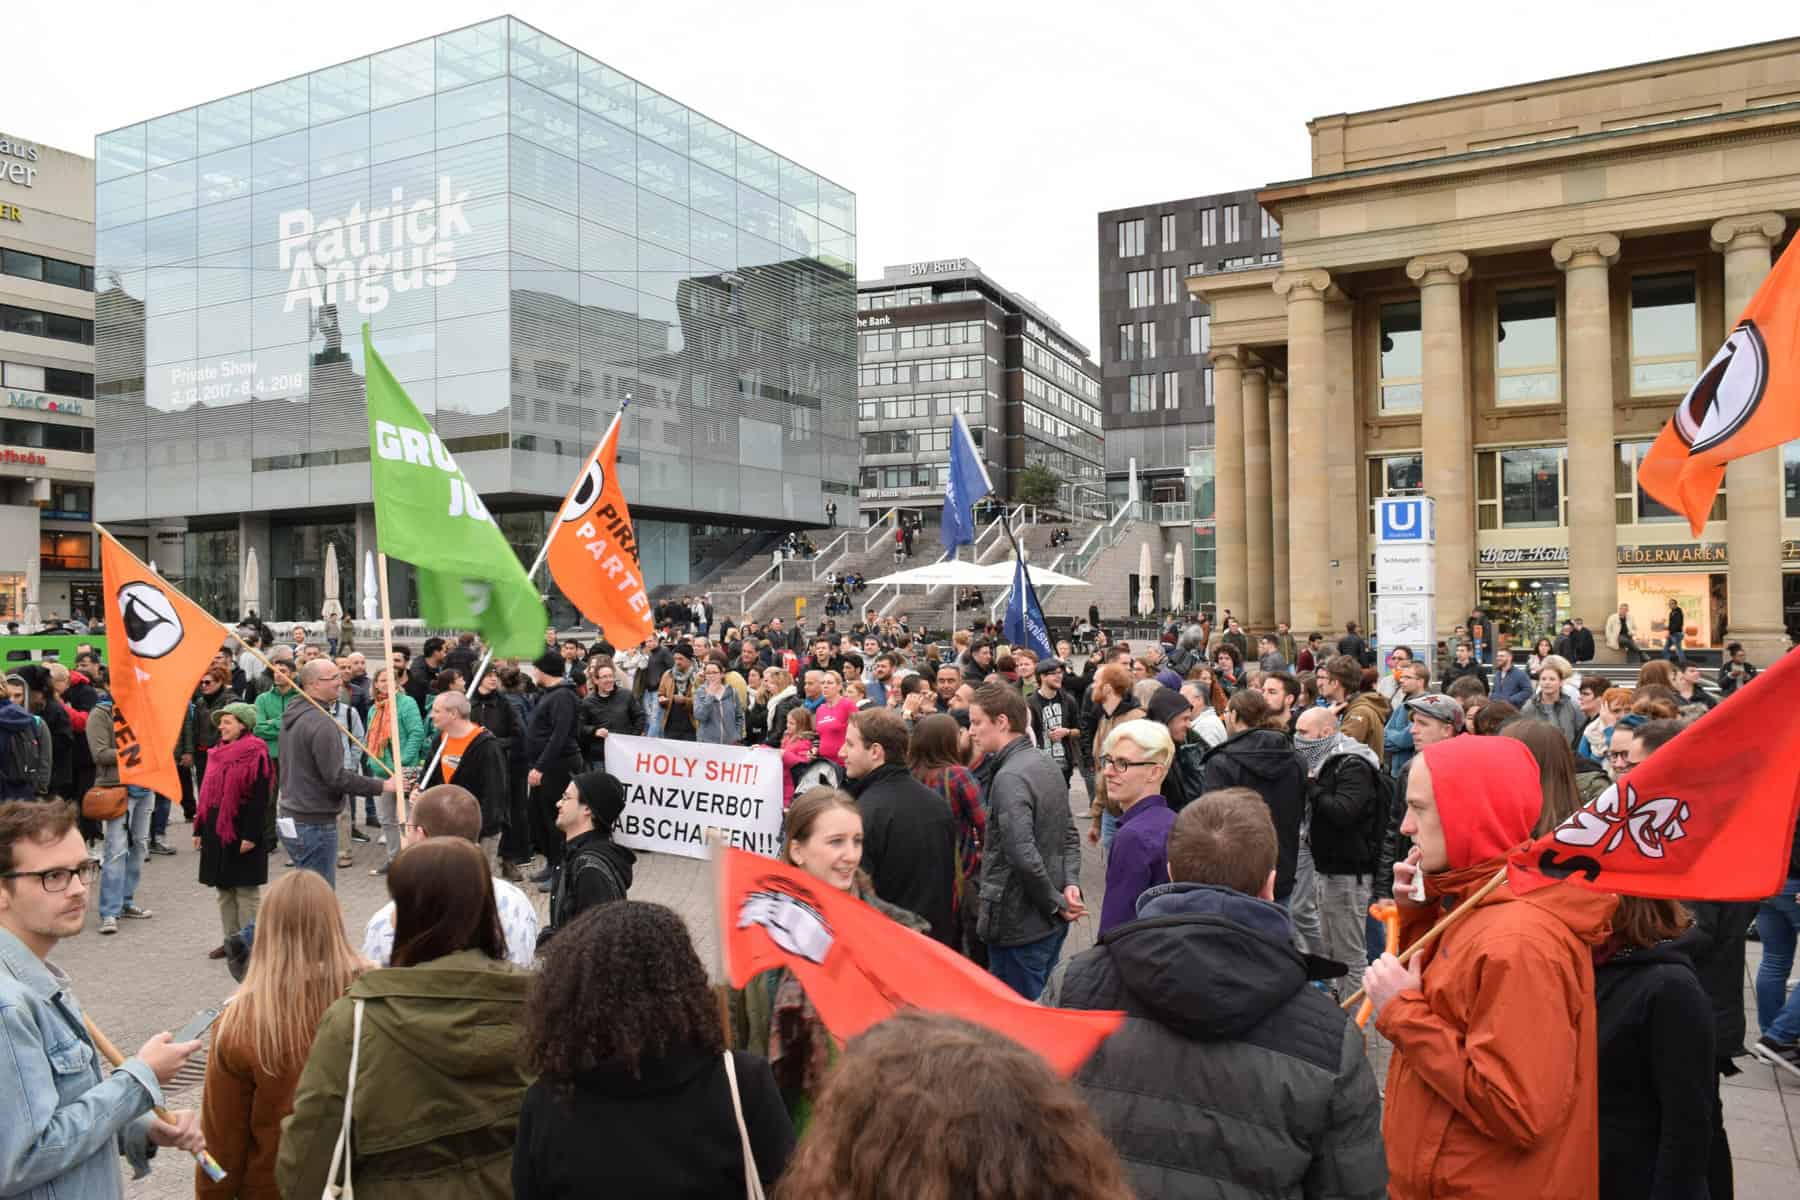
pixel 653 717
pixel 1778 924
pixel 159 818
pixel 127 842
pixel 315 849
pixel 1109 829
pixel 1026 969
pixel 1673 651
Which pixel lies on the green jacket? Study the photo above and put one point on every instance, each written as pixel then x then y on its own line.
pixel 438 1088
pixel 269 707
pixel 412 739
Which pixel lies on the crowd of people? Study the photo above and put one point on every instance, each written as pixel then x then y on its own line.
pixel 1251 796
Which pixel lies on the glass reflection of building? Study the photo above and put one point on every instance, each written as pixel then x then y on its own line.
pixel 533 238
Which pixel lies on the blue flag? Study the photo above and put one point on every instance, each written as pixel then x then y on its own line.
pixel 1025 616
pixel 968 483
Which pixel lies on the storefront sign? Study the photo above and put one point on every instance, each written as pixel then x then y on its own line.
pixel 362 256
pixel 22 458
pixel 873 322
pixel 1508 556
pixel 68 405
pixel 1790 551
pixel 1677 554
pixel 19 171
pixel 939 267
pixel 10 212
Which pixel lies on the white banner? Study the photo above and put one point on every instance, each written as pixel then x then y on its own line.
pixel 676 791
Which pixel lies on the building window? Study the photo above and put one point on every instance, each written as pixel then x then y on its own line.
pixel 1199 334
pixel 1196 268
pixel 1171 382
pixel 1147 338
pixel 35 323
pixel 1530 487
pixel 1142 393
pixel 1665 334
pixel 1131 238
pixel 1168 231
pixel 1171 282
pixel 1394 475
pixel 1209 228
pixel 70 502
pixel 1632 505
pixel 1402 358
pixel 62 551
pixel 1790 479
pixel 1237 261
pixel 1140 289
pixel 1526 369
pixel 1127 343
pixel 49 270
pixel 1206 384
pixel 1234 229
pixel 1271 228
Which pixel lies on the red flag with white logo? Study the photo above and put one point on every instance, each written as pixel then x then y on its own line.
pixel 859 967
pixel 1710 816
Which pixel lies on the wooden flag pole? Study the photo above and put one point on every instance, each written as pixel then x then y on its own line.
pixel 394 693
pixel 262 658
pixel 1431 935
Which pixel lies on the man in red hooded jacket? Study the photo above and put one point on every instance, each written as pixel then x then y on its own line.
pixel 1492 1087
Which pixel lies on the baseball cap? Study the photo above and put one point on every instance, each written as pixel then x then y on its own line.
pixel 1438 707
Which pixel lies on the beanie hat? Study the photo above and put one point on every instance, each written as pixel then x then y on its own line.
pixel 1166 704
pixel 685 650
pixel 245 714
pixel 603 795
pixel 550 663
pixel 1488 796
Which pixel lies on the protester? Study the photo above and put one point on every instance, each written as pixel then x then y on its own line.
pixel 1736 671
pixel 451 811
pixel 1363 714
pixel 1484 1095
pixel 1777 1008
pixel 63 1120
pixel 831 718
pixel 127 836
pixel 1549 703
pixel 230 821
pixel 784 698
pixel 607 709
pixel 909 838
pixel 1054 715
pixel 1136 759
pixel 596 870
pixel 300 964
pixel 1511 683
pixel 552 736
pixel 1031 866
pixel 935 757
pixel 1264 1077
pixel 1690 689
pixel 718 713
pixel 929 1106
pixel 1111 704
pixel 675 695
pixel 634 1076
pixel 1347 795
pixel 438 1084
pixel 1396 735
pixel 1557 784
pixel 381 740
pixel 1261 758
pixel 25 754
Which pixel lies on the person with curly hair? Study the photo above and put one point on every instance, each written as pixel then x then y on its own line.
pixel 930 1107
pixel 623 1035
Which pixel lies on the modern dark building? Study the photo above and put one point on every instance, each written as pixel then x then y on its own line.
pixel 534 238
pixel 938 338
pixel 1154 342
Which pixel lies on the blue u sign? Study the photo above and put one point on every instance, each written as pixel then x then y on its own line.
pixel 1406 519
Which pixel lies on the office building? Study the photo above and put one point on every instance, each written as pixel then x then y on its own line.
pixel 533 238
pixel 1154 340
pixel 47 558
pixel 1499 299
pixel 938 338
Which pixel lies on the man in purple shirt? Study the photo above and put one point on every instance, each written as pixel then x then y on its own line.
pixel 1136 757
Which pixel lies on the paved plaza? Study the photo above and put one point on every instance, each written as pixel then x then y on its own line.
pixel 154 974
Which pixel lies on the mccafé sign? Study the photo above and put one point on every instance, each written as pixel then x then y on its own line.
pixel 68 405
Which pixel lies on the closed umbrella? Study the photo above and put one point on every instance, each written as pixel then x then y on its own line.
pixel 331 607
pixel 1146 588
pixel 1178 580
pixel 252 583
pixel 371 591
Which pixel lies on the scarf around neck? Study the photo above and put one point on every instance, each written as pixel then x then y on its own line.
pixel 233 769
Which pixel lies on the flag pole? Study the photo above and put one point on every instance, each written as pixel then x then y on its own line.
pixel 111 1054
pixel 1431 935
pixel 394 692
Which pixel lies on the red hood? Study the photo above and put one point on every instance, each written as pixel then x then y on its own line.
pixel 1488 795
pixel 77 677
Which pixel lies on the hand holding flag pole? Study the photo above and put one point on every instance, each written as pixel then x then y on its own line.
pixel 111 1054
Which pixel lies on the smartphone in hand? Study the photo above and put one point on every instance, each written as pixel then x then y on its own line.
pixel 200 1024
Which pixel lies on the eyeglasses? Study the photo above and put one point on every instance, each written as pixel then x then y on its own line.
pixel 1619 756
pixel 1110 762
pixel 56 879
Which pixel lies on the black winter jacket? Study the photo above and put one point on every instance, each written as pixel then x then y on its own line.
pixel 618 712
pixel 1656 1075
pixel 1715 945
pixel 1225 1041
pixel 1350 812
pixel 551 732
pixel 1264 761
pixel 496 714
pixel 483 771
pixel 909 846
pixel 595 871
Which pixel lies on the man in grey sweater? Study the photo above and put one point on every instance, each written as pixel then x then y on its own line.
pixel 314 779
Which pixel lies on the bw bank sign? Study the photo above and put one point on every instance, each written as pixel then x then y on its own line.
pixel 364 255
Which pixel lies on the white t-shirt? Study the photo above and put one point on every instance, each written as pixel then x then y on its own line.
pixel 518 920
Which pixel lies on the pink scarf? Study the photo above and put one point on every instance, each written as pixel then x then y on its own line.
pixel 233 769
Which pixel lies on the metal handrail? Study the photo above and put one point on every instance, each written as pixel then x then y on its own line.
pixel 743 593
pixel 824 557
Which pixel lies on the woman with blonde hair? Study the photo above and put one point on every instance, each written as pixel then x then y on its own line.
pixel 300 964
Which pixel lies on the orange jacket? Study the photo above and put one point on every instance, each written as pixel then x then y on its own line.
pixel 1492 1087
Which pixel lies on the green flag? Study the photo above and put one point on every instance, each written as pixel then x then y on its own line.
pixel 427 514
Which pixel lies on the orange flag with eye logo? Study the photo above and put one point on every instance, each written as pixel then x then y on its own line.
pixel 158 645
pixel 594 550
pixel 1747 399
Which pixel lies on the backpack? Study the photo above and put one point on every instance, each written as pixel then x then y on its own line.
pixel 19 763
pixel 816 773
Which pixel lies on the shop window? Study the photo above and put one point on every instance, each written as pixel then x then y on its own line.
pixel 1526 369
pixel 1520 488
pixel 1665 334
pixel 60 551
pixel 1402 358
pixel 1632 505
pixel 1394 475
pixel 1790 479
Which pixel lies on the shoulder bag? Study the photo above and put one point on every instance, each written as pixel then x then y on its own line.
pixel 104 803
pixel 341 1153
pixel 753 1188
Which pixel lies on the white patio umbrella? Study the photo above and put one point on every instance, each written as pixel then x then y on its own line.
pixel 952 573
pixel 1178 579
pixel 371 590
pixel 252 583
pixel 331 607
pixel 1146 588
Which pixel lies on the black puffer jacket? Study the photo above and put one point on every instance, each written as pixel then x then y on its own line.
pixel 909 846
pixel 1225 1041
pixel 1264 761
pixel 1350 811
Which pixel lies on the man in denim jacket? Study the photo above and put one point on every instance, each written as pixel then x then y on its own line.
pixel 62 1119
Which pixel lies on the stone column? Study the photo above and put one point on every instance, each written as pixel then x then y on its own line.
pixel 1259 549
pixel 1444 430
pixel 1231 572
pixel 1309 501
pixel 1278 493
pixel 1593 528
pixel 1347 554
pixel 1753 525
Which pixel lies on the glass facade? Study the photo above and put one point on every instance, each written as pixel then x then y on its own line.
pixel 532 237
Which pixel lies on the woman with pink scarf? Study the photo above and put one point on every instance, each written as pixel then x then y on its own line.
pixel 233 823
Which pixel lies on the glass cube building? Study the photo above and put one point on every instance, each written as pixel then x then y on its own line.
pixel 533 238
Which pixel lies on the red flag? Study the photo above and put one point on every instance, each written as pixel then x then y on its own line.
pixel 1747 399
pixel 594 551
pixel 159 643
pixel 858 967
pixel 1710 816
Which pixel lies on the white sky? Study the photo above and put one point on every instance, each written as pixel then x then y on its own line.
pixel 992 130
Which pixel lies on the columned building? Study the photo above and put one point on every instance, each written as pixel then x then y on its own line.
pixel 1497 300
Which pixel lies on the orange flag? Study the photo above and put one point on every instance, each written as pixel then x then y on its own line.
pixel 858 967
pixel 158 645
pixel 1747 399
pixel 594 551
